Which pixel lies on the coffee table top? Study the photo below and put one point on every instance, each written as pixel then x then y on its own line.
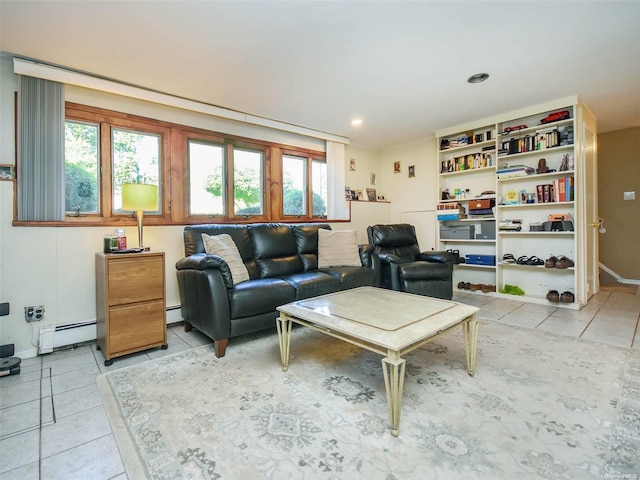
pixel 390 319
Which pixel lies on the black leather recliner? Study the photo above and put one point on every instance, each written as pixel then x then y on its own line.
pixel 404 268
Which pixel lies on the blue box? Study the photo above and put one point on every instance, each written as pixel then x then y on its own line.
pixel 480 259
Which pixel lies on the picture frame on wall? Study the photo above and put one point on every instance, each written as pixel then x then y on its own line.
pixel 7 172
pixel 396 167
pixel 360 196
pixel 412 171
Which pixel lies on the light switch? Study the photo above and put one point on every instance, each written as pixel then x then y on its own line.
pixel 629 195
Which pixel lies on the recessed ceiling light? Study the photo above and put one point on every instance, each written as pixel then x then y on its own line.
pixel 478 77
pixel 356 122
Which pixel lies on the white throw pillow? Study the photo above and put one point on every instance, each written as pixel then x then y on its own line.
pixel 224 246
pixel 338 248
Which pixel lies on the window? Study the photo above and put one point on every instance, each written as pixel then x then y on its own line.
pixel 206 174
pixel 297 174
pixel 135 160
pixel 294 181
pixel 81 166
pixel 248 182
pixel 201 175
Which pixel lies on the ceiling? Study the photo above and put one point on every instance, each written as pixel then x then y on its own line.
pixel 400 66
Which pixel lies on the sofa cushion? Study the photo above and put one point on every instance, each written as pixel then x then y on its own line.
pixel 307 241
pixel 338 248
pixel 275 250
pixel 312 284
pixel 259 296
pixel 352 277
pixel 224 246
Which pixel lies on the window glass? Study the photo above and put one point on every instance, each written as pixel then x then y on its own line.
pixel 319 188
pixel 135 160
pixel 248 182
pixel 206 173
pixel 294 180
pixel 81 163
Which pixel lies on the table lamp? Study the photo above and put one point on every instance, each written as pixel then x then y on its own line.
pixel 139 197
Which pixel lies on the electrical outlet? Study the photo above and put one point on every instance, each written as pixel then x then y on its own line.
pixel 34 314
pixel 629 195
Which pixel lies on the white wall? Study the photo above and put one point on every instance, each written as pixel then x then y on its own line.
pixel 413 200
pixel 54 266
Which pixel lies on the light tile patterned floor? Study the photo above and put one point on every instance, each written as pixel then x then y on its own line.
pixel 53 424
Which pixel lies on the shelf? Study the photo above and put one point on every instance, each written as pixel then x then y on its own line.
pixel 492 219
pixel 506 233
pixel 463 240
pixel 454 200
pixel 537 205
pixel 536 267
pixel 482 267
pixel 536 152
pixel 468 146
pixel 469 170
pixel 564 173
pixel 537 128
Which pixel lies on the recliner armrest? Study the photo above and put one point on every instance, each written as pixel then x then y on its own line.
pixel 204 261
pixel 388 258
pixel 439 257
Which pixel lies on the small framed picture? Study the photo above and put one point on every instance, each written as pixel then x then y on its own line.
pixel 7 172
pixel 372 178
pixel 396 167
pixel 412 171
pixel 360 196
pixel 352 164
pixel 371 194
pixel 347 193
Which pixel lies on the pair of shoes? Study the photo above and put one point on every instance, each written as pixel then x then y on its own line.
pixel 508 258
pixel 567 297
pixel 553 296
pixel 524 260
pixel 550 262
pixel 564 262
pixel 464 286
pixel 512 289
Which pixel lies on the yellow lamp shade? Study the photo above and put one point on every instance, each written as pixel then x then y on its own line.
pixel 139 196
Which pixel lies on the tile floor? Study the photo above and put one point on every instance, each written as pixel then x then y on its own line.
pixel 53 424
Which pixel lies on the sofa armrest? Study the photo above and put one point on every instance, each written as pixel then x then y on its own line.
pixel 204 261
pixel 438 257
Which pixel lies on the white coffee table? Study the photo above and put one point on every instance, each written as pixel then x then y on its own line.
pixel 383 321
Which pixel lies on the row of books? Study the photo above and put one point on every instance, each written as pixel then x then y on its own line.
pixel 560 190
pixel 450 211
pixel 467 162
pixel 540 140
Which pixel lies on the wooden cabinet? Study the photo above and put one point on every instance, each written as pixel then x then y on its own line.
pixel 130 303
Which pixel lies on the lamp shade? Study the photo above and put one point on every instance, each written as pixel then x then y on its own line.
pixel 139 196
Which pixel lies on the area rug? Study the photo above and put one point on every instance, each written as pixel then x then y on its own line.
pixel 539 406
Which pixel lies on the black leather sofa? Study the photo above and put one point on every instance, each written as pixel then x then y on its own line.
pixel 282 261
pixel 403 267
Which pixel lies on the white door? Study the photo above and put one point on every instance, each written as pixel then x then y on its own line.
pixel 591 211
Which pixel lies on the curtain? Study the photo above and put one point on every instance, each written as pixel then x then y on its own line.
pixel 40 192
pixel 337 207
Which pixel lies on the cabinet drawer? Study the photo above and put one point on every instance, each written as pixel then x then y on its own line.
pixel 135 326
pixel 135 279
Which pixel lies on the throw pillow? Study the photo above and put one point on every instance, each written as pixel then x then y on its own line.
pixel 338 248
pixel 224 246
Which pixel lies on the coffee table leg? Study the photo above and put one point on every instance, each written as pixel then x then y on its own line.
pixel 470 328
pixel 393 370
pixel 284 324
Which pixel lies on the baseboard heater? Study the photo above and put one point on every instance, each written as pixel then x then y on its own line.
pixel 63 335
pixel 56 336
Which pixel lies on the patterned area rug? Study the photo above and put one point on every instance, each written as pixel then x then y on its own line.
pixel 539 406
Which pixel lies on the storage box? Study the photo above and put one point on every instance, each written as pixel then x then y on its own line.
pixel 457 232
pixel 480 259
pixel 481 204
